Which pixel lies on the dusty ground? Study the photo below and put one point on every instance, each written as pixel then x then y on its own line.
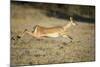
pixel 29 51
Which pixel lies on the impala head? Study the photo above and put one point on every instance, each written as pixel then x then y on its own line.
pixel 72 22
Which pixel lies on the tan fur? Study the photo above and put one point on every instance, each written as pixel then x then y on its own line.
pixel 40 31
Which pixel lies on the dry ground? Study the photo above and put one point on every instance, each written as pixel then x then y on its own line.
pixel 29 51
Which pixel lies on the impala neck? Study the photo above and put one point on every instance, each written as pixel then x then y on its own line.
pixel 67 26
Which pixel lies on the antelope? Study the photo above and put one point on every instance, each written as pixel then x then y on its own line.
pixel 40 31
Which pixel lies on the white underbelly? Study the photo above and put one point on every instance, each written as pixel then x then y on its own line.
pixel 53 35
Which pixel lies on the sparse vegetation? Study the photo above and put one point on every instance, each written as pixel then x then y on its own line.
pixel 30 51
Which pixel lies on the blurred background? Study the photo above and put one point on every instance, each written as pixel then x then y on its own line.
pixel 30 51
pixel 63 11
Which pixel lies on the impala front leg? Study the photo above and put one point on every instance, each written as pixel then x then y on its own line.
pixel 66 36
pixel 69 37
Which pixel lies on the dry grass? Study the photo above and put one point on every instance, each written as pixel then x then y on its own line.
pixel 30 51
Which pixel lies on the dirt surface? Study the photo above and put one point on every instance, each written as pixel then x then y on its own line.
pixel 30 51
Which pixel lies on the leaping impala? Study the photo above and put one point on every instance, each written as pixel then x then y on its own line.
pixel 40 31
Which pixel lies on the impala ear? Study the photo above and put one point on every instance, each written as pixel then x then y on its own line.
pixel 71 19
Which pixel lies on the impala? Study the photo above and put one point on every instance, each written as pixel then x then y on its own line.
pixel 40 31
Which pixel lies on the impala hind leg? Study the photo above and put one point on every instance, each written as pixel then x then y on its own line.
pixel 40 38
pixel 20 36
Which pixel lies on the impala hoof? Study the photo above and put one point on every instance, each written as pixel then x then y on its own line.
pixel 18 37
